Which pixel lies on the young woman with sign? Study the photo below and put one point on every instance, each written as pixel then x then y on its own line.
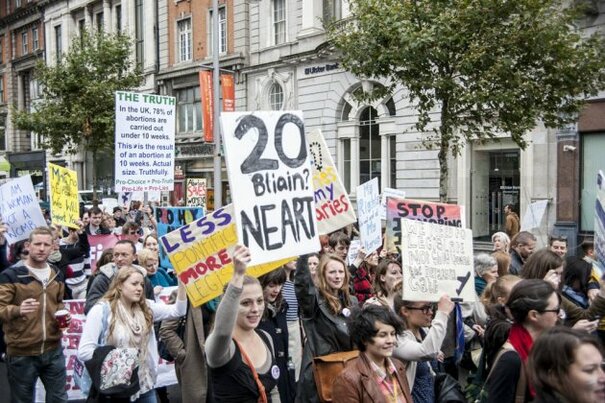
pixel 240 358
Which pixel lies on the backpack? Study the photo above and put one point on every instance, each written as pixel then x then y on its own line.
pixel 180 331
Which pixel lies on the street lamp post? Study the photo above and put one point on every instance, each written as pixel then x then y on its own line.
pixel 218 184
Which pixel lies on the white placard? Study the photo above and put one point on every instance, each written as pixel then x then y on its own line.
pixel 20 209
pixel 144 142
pixel 389 192
pixel 368 213
pixel 269 169
pixel 353 250
pixel 533 215
pixel 437 259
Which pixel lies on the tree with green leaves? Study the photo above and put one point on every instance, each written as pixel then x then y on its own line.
pixel 487 67
pixel 77 110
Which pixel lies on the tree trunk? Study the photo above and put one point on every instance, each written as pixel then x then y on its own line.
pixel 95 201
pixel 443 168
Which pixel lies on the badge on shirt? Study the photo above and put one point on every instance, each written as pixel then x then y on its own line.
pixel 275 372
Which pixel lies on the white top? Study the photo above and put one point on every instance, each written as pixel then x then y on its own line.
pixel 409 349
pixel 94 326
pixel 41 274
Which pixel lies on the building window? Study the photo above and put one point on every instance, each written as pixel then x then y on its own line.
pixel 276 97
pixel 184 39
pixel 24 44
pixel 279 21
pixel 369 146
pixel 81 27
pixel 139 33
pixel 332 10
pixel 118 15
pixel 13 45
pixel 58 42
pixel 2 49
pixel 592 161
pixel 35 39
pixel 17 3
pixel 189 110
pixel 222 34
pixel 2 89
pixel 99 21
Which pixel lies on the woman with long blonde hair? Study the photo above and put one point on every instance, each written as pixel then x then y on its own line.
pixel 324 310
pixel 123 318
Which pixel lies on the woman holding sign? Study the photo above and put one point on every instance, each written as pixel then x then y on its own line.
pixel 324 310
pixel 240 358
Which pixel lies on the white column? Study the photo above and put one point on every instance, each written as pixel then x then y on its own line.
pixel 107 16
pixel 148 34
pixel 311 17
pixel 355 163
pixel 385 161
pixel 88 16
pixel 346 11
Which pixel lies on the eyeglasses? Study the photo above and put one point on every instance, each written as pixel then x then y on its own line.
pixel 425 309
pixel 558 310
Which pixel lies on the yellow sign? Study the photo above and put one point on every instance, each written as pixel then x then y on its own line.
pixel 64 206
pixel 201 254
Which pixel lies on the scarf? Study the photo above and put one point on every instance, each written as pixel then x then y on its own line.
pixel 522 341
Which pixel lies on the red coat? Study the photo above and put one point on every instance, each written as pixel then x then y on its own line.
pixel 357 384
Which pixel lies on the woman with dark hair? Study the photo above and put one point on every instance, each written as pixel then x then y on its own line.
pixel 274 322
pixel 420 347
pixel 313 262
pixel 388 275
pixel 324 310
pixel 535 306
pixel 575 282
pixel 374 376
pixel 240 358
pixel 565 365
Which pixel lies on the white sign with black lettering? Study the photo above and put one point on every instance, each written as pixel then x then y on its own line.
pixel 144 149
pixel 368 212
pixel 270 176
pixel 437 259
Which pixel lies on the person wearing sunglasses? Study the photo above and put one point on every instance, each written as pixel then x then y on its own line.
pixel 420 346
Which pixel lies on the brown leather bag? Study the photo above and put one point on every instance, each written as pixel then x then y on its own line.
pixel 326 368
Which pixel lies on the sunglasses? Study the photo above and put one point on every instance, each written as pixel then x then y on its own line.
pixel 426 309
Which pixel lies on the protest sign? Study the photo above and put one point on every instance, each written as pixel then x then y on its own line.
pixel 98 245
pixel 144 142
pixel 432 212
pixel 71 339
pixel 124 199
pixel 389 192
pixel 171 218
pixel 353 250
pixel 196 192
pixel 270 176
pixel 201 254
pixel 599 224
pixel 533 215
pixel 368 211
pixel 333 209
pixel 436 259
pixel 19 209
pixel 64 204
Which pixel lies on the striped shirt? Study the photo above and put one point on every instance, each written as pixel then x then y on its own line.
pixel 289 295
pixel 389 385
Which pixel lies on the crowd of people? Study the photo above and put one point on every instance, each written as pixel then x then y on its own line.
pixel 534 332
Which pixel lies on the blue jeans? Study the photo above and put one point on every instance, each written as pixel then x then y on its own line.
pixel 24 371
pixel 147 397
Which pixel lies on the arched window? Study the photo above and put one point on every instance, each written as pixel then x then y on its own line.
pixel 276 97
pixel 369 145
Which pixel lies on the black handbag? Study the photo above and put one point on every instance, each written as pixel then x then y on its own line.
pixel 448 390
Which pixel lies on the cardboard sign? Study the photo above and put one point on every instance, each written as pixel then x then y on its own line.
pixel 144 142
pixel 353 250
pixel 436 259
pixel 389 192
pixel 533 215
pixel 333 209
pixel 196 192
pixel 19 209
pixel 599 224
pixel 98 245
pixel 269 169
pixel 71 339
pixel 171 218
pixel 368 211
pixel 432 212
pixel 64 204
pixel 201 254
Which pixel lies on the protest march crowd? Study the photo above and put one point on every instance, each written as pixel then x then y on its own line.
pixel 327 326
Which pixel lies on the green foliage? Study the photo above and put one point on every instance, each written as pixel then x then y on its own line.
pixel 487 66
pixel 77 106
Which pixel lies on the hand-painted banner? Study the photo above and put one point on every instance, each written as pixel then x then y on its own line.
pixel 19 209
pixel 171 218
pixel 201 254
pixel 64 204
pixel 196 192
pixel 270 176
pixel 437 260
pixel 432 212
pixel 368 211
pixel 98 245
pixel 333 209
pixel 71 340
pixel 599 224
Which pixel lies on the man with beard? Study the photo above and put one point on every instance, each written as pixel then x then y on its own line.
pixel 522 246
